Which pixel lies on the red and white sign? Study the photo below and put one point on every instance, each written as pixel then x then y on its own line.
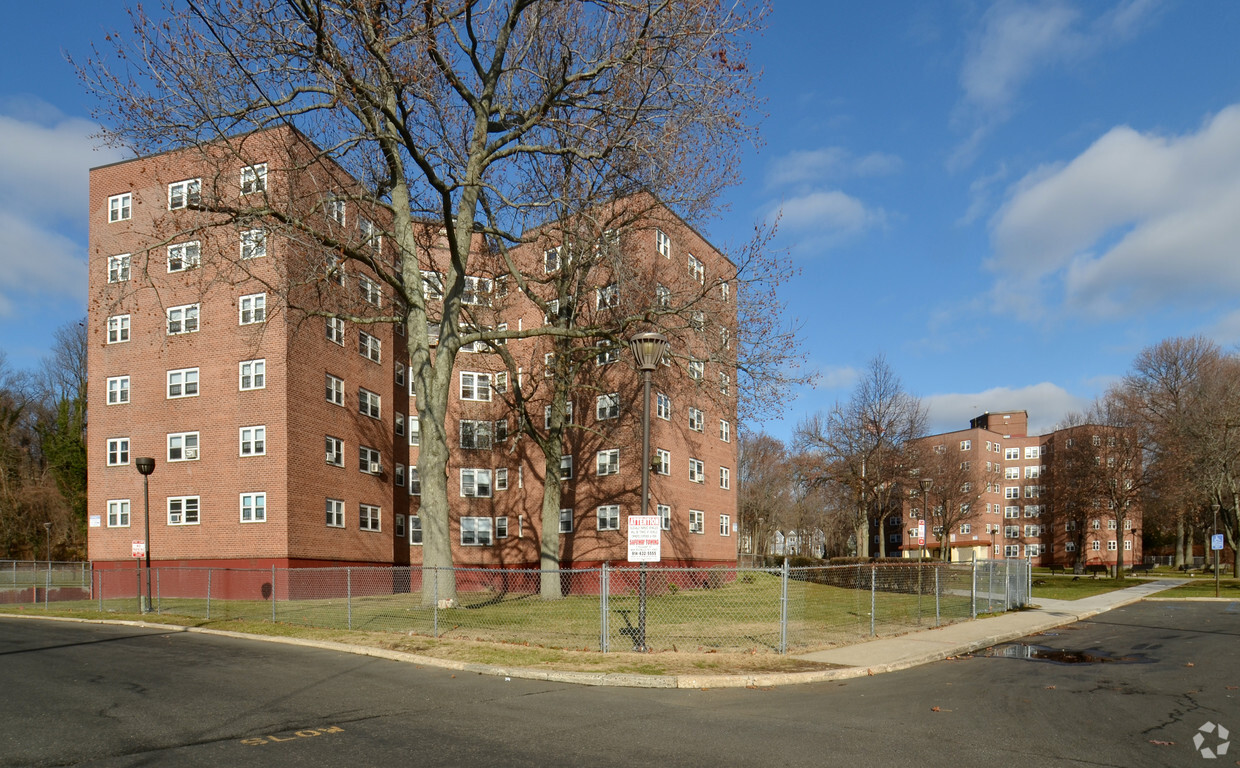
pixel 139 548
pixel 645 539
pixel 921 533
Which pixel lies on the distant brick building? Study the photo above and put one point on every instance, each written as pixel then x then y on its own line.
pixel 290 438
pixel 1022 502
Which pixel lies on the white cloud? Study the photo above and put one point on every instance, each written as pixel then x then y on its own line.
pixel 1046 404
pixel 44 163
pixel 831 216
pixel 1015 41
pixel 837 377
pixel 828 163
pixel 1136 219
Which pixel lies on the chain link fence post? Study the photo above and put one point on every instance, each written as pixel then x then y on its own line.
pixel 873 600
pixel 273 593
pixel 159 606
pixel 783 609
pixel 208 594
pixel 435 606
pixel 973 589
pixel 348 594
pixel 604 590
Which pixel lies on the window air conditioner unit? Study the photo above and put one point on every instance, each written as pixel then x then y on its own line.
pixel 375 468
pixel 191 453
pixel 331 458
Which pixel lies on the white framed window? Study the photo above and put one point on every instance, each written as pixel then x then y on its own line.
pixel 118 329
pixel 663 244
pixel 369 403
pixel 501 479
pixel 118 513
pixel 335 390
pixel 400 424
pixel 335 451
pixel 1011 473
pixel 476 532
pixel 183 510
pixel 120 207
pixel 1069 546
pixel 118 268
pixel 725 292
pixel 697 270
pixel 252 308
pixel 698 320
pixel 254 507
pixel 725 384
pixel 549 365
pixel 415 430
pixel 607 406
pixel 1011 550
pixel 725 477
pixel 1011 532
pixel 1095 545
pixel 662 296
pixel 662 462
pixel 1033 491
pixel 369 347
pixel 1033 452
pixel 500 430
pixel 475 386
pixel 400 373
pixel 432 284
pixel 697 471
pixel 400 527
pixel 1031 530
pixel 415 530
pixel 118 390
pixel 184 193
pixel 369 461
pixel 725 526
pixel 568 415
pixel 369 517
pixel 335 330
pixel 415 482
pixel 697 369
pixel 725 431
pixel 1010 512
pixel 607 296
pixel 182 319
pixel 252 374
pixel 500 380
pixel 476 483
pixel 254 178
pixel 553 312
pixel 253 244
pixel 475 435
pixel 1032 472
pixel 697 521
pixel 335 208
pixel 501 527
pixel 551 260
pixel 477 291
pixel 1111 545
pixel 566 467
pixel 118 451
pixel 1127 546
pixel 1011 492
pixel 371 236
pixel 966 445
pixel 183 256
pixel 182 446
pixel 608 353
pixel 663 406
pixel 609 517
pixel 965 528
pixel 371 294
pixel 664 511
pixel 566 521
pixel 183 383
pixel 335 513
pixel 254 441
pixel 696 420
pixel 607 462
pixel 1011 454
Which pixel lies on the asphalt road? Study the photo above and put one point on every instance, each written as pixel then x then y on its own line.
pixel 95 695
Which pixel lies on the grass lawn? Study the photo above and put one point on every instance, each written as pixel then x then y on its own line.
pixel 1204 587
pixel 1064 587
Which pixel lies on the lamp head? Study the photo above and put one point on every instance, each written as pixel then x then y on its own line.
pixel 145 465
pixel 648 349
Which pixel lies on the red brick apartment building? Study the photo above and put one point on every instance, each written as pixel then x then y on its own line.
pixel 289 437
pixel 1022 498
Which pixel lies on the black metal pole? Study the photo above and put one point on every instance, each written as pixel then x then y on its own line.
pixel 146 505
pixel 641 602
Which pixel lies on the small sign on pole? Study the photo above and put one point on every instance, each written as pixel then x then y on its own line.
pixel 645 539
pixel 1216 541
pixel 139 548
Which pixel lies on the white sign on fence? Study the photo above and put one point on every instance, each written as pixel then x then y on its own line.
pixel 139 548
pixel 645 538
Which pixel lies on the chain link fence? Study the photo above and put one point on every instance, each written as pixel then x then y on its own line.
pixel 611 609
pixel 43 582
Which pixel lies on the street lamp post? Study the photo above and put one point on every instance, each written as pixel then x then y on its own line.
pixel 1214 533
pixel 146 466
pixel 648 350
pixel 926 483
pixel 48 527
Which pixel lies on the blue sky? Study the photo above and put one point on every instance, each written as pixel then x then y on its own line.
pixel 1008 200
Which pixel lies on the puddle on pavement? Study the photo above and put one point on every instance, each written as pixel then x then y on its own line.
pixel 1059 655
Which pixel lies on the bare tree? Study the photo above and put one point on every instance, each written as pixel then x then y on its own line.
pixel 1119 465
pixel 955 486
pixel 765 487
pixel 1072 484
pixel 442 111
pixel 862 445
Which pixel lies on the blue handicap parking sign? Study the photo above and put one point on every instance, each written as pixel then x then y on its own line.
pixel 1216 541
